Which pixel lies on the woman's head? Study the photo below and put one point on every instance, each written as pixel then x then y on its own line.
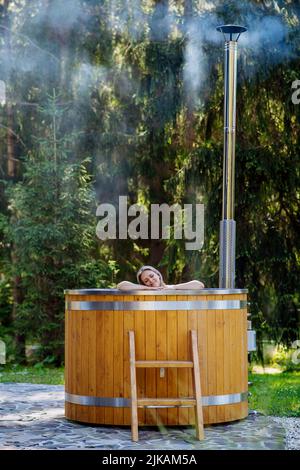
pixel 149 276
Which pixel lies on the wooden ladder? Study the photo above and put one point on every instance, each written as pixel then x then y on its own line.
pixel 195 401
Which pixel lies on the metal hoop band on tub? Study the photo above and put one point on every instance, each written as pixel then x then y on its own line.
pixel 211 400
pixel 158 305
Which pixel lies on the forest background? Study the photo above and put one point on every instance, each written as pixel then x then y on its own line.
pixel 107 98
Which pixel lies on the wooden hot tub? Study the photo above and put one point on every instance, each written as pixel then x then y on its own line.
pixel 97 353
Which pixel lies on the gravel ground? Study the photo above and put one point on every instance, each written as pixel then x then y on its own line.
pixel 292 429
pixel 32 417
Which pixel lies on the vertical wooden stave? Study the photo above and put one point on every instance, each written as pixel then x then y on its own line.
pixel 183 355
pixel 140 341
pixel 100 365
pixel 211 360
pixel 203 357
pixel 108 316
pixel 220 353
pixel 244 360
pixel 161 354
pixel 172 354
pixel 128 326
pixel 227 359
pixel 77 353
pixel 192 325
pixel 150 354
pixel 118 362
pixel 92 363
pixel 68 358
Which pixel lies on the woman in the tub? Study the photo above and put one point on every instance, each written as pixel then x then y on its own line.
pixel 150 278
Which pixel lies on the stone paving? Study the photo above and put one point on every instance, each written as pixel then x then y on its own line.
pixel 32 417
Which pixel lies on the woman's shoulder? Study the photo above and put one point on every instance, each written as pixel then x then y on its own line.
pixel 127 285
pixel 188 285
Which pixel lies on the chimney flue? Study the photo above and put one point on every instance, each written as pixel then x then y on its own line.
pixel 231 35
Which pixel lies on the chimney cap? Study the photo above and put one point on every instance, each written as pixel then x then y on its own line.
pixel 231 29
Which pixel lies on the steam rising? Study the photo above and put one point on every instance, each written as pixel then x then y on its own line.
pixel 25 50
pixel 60 17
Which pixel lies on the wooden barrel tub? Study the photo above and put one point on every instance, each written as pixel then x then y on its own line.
pixel 97 380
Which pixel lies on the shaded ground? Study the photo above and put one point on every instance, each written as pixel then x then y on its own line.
pixel 32 417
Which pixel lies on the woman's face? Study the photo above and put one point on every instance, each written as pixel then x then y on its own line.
pixel 150 278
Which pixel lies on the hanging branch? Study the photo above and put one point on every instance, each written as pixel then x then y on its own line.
pixel 32 43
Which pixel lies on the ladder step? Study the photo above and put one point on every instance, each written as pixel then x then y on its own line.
pixel 166 402
pixel 164 364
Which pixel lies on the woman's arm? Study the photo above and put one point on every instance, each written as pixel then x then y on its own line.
pixel 189 285
pixel 126 285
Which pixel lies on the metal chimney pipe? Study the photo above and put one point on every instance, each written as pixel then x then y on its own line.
pixel 231 35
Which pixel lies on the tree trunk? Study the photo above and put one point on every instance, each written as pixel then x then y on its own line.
pixel 11 158
pixel 20 351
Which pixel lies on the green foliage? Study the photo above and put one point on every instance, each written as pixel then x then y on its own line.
pixel 6 328
pixel 37 374
pixel 286 358
pixel 5 301
pixel 276 394
pixel 52 234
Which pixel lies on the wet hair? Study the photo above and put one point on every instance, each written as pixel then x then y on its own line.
pixel 150 268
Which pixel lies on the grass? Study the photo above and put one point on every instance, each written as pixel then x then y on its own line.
pixel 35 374
pixel 271 394
pixel 275 394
